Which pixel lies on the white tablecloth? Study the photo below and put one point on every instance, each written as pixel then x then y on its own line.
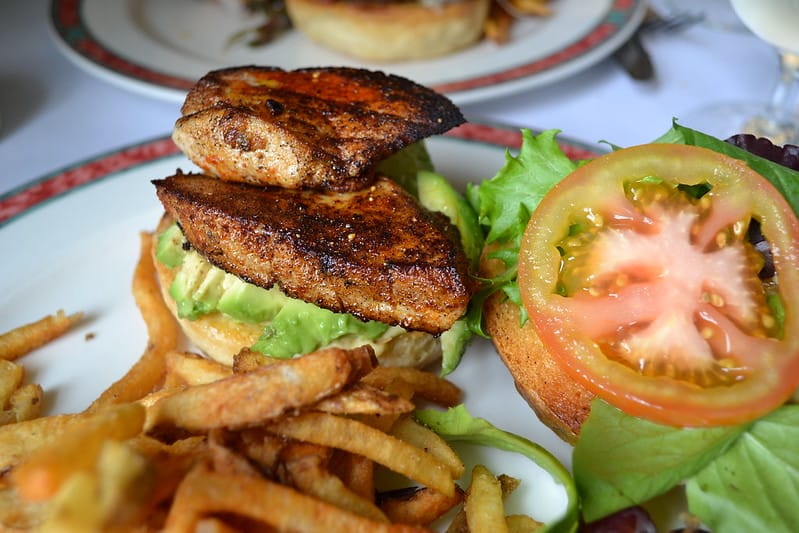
pixel 55 114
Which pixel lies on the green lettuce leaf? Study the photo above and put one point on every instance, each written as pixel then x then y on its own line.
pixel 620 461
pixel 456 424
pixel 504 203
pixel 784 179
pixel 754 485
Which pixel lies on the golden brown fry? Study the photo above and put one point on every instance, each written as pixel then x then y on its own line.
pixel 485 510
pixel 498 23
pixel 41 475
pixel 11 375
pixel 458 524
pixel 205 492
pixel 18 515
pixel 362 399
pixel 408 430
pixel 163 333
pixel 243 400
pixel 356 471
pixel 538 8
pixel 304 466
pixel 18 441
pixel 26 402
pixel 112 496
pixel 214 525
pixel 193 369
pixel 425 384
pixel 260 447
pixel 521 523
pixel 24 339
pixel 357 437
pixel 420 506
pixel 508 484
pixel 171 462
pixel 227 461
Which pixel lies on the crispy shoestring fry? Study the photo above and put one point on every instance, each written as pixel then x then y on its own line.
pixel 24 339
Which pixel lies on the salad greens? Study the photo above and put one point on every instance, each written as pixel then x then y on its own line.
pixel 743 478
pixel 456 424
pixel 504 204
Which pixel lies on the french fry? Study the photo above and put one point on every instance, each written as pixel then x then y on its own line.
pixel 420 506
pixel 304 467
pixel 356 471
pixel 260 447
pixel 193 369
pixel 538 8
pixel 485 510
pixel 163 333
pixel 18 515
pixel 11 375
pixel 410 431
pixel 26 402
pixel 498 23
pixel 41 475
pixel 204 492
pixel 521 523
pixel 18 441
pixel 364 399
pixel 243 400
pixel 425 384
pixel 214 525
pixel 112 496
pixel 171 461
pixel 24 339
pixel 357 437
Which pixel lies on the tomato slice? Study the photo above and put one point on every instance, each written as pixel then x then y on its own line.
pixel 639 275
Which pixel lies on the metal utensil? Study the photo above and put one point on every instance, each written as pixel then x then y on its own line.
pixel 632 55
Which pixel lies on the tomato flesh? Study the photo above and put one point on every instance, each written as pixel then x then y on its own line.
pixel 640 279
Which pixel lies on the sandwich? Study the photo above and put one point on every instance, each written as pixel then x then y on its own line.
pixel 305 226
pixel 391 30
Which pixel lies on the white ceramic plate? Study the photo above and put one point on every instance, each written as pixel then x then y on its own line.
pixel 161 47
pixel 72 238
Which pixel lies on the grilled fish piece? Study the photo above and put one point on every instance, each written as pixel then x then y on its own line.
pixel 310 128
pixel 374 253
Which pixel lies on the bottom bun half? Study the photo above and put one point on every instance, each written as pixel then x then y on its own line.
pixel 221 338
pixel 560 402
pixel 390 31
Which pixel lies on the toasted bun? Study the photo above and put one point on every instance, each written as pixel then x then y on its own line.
pixel 560 402
pixel 220 337
pixel 390 31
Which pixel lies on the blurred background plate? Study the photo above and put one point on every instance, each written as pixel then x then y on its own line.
pixel 161 47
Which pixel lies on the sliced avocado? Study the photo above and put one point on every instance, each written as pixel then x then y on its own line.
pixel 169 250
pixel 437 194
pixel 292 326
pixel 188 280
pixel 301 327
pixel 249 303
pixel 453 345
pixel 404 165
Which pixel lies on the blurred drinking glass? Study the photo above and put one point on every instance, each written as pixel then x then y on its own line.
pixel 774 117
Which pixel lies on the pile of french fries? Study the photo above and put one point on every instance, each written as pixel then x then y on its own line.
pixel 503 13
pixel 183 443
